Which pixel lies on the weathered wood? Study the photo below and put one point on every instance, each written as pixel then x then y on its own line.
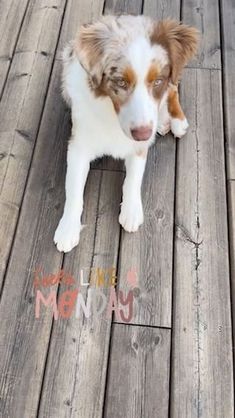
pixel 84 343
pixel 202 342
pixel 231 212
pixel 22 105
pixel 8 219
pixel 76 365
pixel 228 34
pixel 12 13
pixel 23 353
pixel 162 9
pixel 149 251
pixel 25 339
pixel 138 381
pixel 123 6
pixel 204 15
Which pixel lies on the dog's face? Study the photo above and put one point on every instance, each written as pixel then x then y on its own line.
pixel 132 60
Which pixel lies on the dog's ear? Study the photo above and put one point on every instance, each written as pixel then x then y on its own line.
pixel 181 42
pixel 90 47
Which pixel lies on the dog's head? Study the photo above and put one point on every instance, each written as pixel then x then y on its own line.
pixel 132 60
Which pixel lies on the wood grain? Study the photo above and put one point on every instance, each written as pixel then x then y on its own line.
pixel 61 368
pixel 162 9
pixel 11 19
pixel 231 213
pixel 228 36
pixel 21 108
pixel 204 16
pixel 84 343
pixel 138 382
pixel 202 341
pixel 123 6
pixel 149 251
pixel 26 339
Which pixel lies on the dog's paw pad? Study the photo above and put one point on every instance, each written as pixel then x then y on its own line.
pixel 131 217
pixel 179 127
pixel 67 235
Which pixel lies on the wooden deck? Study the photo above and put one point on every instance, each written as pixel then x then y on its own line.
pixel 175 357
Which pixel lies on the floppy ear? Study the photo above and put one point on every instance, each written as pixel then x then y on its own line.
pixel 90 48
pixel 181 42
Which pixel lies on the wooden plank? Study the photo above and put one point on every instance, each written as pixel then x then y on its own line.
pixel 25 338
pixel 149 251
pixel 11 18
pixel 8 220
pixel 204 15
pixel 123 6
pixel 84 343
pixel 228 37
pixel 162 9
pixel 138 382
pixel 202 381
pixel 21 107
pixel 231 212
pixel 23 353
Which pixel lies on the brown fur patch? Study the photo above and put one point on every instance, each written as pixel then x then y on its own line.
pixel 179 40
pixel 116 106
pixel 109 86
pixel 153 73
pixel 90 46
pixel 174 106
pixel 130 76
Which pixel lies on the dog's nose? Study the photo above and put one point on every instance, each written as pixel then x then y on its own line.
pixel 143 133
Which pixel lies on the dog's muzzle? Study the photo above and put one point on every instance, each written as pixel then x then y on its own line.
pixel 143 133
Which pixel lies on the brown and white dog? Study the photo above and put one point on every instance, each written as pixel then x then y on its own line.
pixel 120 78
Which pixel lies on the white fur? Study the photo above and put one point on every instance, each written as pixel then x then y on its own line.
pixel 141 109
pixel 179 127
pixel 164 123
pixel 98 131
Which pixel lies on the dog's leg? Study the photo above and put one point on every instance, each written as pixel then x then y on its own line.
pixel 131 216
pixel 68 231
pixel 164 119
pixel 178 121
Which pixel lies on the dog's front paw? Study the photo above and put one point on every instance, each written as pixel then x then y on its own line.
pixel 179 127
pixel 67 234
pixel 164 128
pixel 131 216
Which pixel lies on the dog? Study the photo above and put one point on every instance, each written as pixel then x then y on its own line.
pixel 120 78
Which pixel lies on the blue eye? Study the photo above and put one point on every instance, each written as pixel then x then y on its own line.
pixel 158 82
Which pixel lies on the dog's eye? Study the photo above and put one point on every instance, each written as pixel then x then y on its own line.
pixel 157 82
pixel 121 83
